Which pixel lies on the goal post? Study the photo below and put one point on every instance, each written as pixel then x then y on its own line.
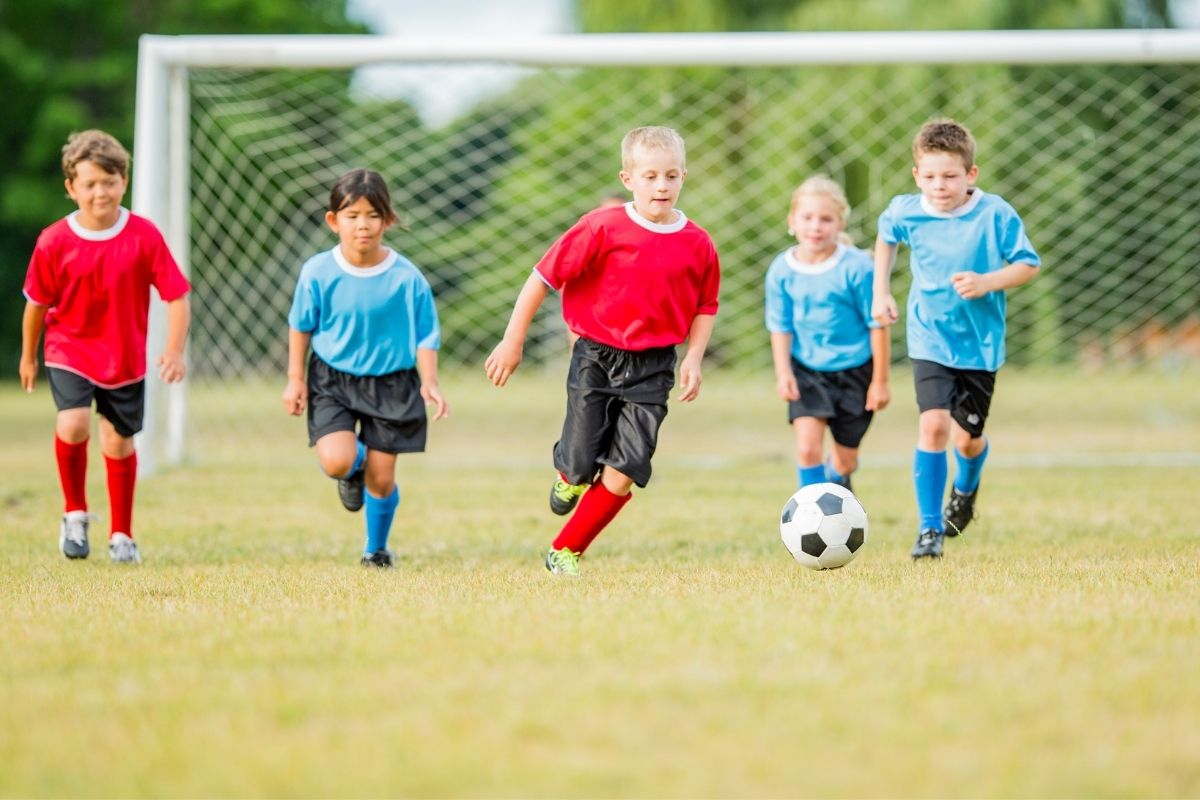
pixel 744 96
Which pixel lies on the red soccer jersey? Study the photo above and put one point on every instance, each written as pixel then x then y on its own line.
pixel 96 285
pixel 630 283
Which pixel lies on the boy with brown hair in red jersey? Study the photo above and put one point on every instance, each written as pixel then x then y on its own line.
pixel 636 280
pixel 88 289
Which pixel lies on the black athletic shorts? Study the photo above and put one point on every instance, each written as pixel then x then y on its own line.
pixel 386 410
pixel 124 407
pixel 838 397
pixel 616 401
pixel 967 393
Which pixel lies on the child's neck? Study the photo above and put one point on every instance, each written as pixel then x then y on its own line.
pixel 805 256
pixel 364 260
pixel 93 223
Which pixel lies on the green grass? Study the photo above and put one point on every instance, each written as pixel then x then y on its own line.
pixel 1052 653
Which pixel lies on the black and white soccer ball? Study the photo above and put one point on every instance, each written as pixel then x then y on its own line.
pixel 823 526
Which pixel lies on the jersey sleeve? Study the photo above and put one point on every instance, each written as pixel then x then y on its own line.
pixel 778 306
pixel 429 331
pixel 891 226
pixel 574 251
pixel 305 315
pixel 710 284
pixel 165 274
pixel 1014 244
pixel 41 283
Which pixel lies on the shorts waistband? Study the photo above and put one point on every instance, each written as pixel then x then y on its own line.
pixel 608 348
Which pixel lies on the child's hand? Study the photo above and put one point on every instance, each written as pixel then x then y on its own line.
pixel 28 372
pixel 970 285
pixel 295 396
pixel 503 361
pixel 785 386
pixel 171 367
pixel 690 378
pixel 884 310
pixel 878 396
pixel 432 396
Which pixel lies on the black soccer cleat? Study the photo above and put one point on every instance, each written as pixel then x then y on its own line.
pixel 960 510
pixel 382 559
pixel 565 496
pixel 929 544
pixel 350 491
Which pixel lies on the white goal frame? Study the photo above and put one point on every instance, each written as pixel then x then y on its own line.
pixel 161 137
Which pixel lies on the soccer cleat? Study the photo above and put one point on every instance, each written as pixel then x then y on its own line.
pixel 380 558
pixel 929 544
pixel 73 534
pixel 960 510
pixel 564 496
pixel 350 490
pixel 122 549
pixel 562 562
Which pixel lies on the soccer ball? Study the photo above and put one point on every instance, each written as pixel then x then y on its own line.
pixel 823 526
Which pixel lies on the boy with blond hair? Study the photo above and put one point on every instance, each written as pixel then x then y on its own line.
pixel 968 247
pixel 636 280
pixel 88 289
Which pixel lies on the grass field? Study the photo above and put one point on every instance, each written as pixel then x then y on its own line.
pixel 1052 653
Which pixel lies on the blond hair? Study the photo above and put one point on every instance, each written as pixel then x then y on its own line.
pixel 98 147
pixel 651 137
pixel 945 136
pixel 824 186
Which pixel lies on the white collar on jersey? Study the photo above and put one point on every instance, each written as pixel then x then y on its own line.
pixel 363 272
pixel 98 236
pixel 814 269
pixel 972 200
pixel 669 227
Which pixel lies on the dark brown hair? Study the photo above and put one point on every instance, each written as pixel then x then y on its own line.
pixel 362 183
pixel 945 136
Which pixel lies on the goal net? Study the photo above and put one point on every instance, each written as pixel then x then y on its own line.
pixel 493 150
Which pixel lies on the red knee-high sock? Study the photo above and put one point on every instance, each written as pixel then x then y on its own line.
pixel 596 509
pixel 122 477
pixel 72 473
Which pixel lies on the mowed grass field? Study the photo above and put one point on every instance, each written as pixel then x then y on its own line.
pixel 1052 653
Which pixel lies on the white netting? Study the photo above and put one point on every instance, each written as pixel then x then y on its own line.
pixel 1103 163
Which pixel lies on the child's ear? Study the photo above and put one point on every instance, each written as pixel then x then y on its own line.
pixel 331 221
pixel 973 173
pixel 625 179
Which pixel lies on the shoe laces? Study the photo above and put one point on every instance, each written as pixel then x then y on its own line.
pixel 76 527
pixel 565 561
pixel 927 537
pixel 567 491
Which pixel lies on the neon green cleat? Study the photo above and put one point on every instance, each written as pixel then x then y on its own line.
pixel 562 562
pixel 564 496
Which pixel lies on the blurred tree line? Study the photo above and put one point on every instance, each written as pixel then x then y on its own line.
pixel 70 64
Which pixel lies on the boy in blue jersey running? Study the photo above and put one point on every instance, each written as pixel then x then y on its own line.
pixel 831 358
pixel 369 316
pixel 967 248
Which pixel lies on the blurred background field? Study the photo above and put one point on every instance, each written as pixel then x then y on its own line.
pixel 1050 654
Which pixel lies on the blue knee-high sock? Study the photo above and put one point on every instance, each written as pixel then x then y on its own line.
pixel 360 455
pixel 966 477
pixel 810 475
pixel 929 476
pixel 379 512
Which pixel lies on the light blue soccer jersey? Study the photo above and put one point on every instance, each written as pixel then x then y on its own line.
pixel 982 235
pixel 826 307
pixel 365 321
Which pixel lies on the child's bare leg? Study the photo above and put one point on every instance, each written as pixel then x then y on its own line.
pixel 966 444
pixel 810 439
pixel 380 473
pixel 933 429
pixel 379 506
pixel 73 425
pixel 616 482
pixel 113 444
pixel 845 459
pixel 336 453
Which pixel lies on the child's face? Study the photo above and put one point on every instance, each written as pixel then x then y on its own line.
pixel 655 177
pixel 97 193
pixel 360 228
pixel 816 221
pixel 943 179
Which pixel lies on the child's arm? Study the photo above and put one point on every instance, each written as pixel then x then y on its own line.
pixel 878 393
pixel 883 305
pixel 971 285
pixel 503 361
pixel 32 324
pixel 170 364
pixel 781 355
pixel 295 395
pixel 427 368
pixel 689 368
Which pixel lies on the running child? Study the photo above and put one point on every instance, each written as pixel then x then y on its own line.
pixel 368 314
pixel 967 248
pixel 636 280
pixel 88 290
pixel 831 358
